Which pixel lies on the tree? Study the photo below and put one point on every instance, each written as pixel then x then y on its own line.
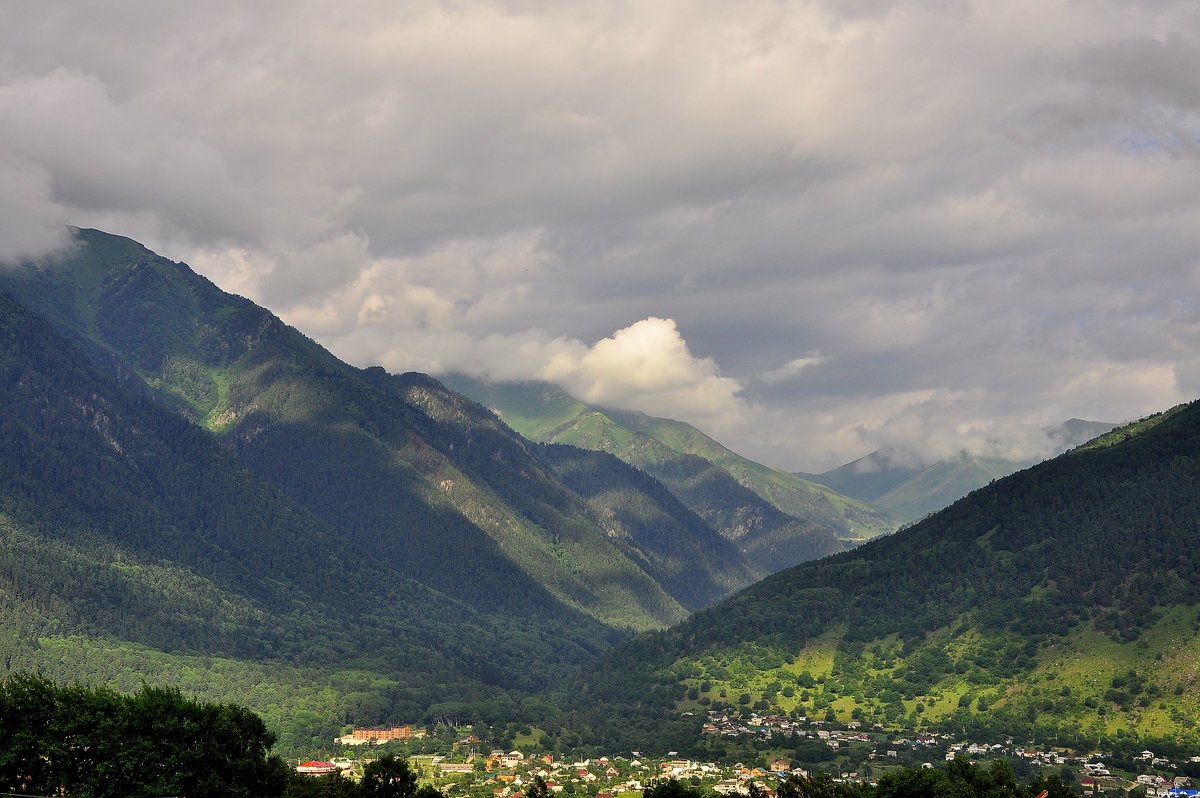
pixel 389 777
pixel 94 741
pixel 537 788
pixel 672 788
pixel 820 785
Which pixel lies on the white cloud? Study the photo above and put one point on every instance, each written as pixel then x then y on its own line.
pixel 31 223
pixel 790 370
pixel 647 366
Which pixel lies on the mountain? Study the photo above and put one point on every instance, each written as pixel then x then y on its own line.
pixel 909 489
pixel 777 519
pixel 1061 602
pixel 193 487
pixel 135 546
pixel 664 537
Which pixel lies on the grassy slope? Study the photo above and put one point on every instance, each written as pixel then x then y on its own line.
pixel 654 528
pixel 770 538
pixel 545 412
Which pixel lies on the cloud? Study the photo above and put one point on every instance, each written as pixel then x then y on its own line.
pixel 647 366
pixel 31 223
pixel 790 370
pixel 926 224
pixel 120 164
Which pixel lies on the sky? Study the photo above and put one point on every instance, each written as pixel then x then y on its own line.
pixel 813 229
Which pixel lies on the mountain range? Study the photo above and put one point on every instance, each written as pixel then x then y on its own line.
pixel 192 492
pixel 186 476
pixel 1059 603
pixel 908 488
pixel 777 519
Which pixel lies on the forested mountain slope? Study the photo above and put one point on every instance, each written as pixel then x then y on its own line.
pixel 776 519
pixel 658 531
pixel 192 491
pixel 130 539
pixel 1060 600
pixel 405 469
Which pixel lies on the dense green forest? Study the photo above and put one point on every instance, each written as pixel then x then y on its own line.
pixel 1060 602
pixel 134 542
pixel 399 466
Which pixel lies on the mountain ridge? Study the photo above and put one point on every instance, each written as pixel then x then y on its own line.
pixel 390 531
pixel 911 488
pixel 743 500
pixel 236 369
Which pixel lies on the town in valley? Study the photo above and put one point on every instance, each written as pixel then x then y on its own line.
pixel 461 766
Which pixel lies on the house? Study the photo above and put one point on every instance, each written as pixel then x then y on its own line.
pixel 456 767
pixel 316 768
pixel 730 787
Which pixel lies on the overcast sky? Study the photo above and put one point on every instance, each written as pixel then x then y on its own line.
pixel 812 229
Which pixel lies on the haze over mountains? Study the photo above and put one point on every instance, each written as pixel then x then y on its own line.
pixel 193 492
pixel 908 488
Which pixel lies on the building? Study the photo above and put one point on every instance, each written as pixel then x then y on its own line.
pixel 359 736
pixel 315 768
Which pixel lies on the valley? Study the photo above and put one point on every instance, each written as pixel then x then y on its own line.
pixel 197 495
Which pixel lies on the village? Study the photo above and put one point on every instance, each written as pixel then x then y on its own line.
pixel 798 747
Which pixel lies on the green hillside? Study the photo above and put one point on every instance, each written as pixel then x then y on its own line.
pixel 193 492
pixel 652 526
pixel 1059 602
pixel 134 546
pixel 871 476
pixel 850 518
pixel 374 456
pixel 942 484
pixel 746 502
